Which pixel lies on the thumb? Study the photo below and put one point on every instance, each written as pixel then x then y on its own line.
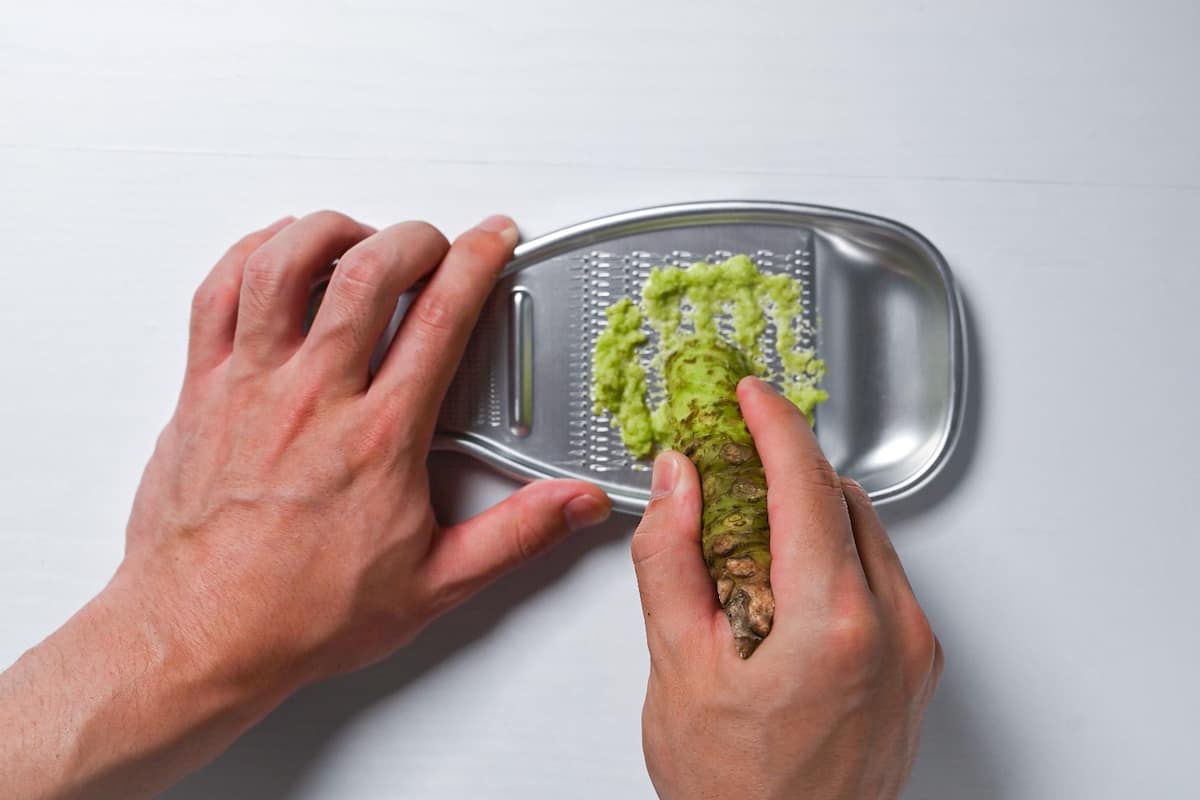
pixel 468 556
pixel 678 598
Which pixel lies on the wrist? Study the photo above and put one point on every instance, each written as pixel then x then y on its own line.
pixel 186 654
pixel 145 699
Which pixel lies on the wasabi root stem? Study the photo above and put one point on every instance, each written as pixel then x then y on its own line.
pixel 701 383
pixel 711 322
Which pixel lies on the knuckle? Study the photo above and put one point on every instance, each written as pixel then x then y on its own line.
pixel 647 551
pixel 334 221
pixel 360 273
pixel 652 538
pixel 643 547
pixel 213 298
pixel 854 641
pixel 263 277
pixel 425 230
pixel 920 643
pixel 435 313
pixel 527 539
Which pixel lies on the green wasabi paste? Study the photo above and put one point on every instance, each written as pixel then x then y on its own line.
pixel 731 302
pixel 618 379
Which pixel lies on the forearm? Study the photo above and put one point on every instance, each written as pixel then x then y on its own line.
pixel 117 703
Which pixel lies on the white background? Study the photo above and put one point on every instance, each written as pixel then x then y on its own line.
pixel 1048 148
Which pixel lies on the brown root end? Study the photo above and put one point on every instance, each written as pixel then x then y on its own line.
pixel 751 610
pixel 762 611
pixel 724 589
pixel 741 567
pixel 746 646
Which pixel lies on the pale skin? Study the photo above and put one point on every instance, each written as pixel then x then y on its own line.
pixel 283 534
pixel 830 705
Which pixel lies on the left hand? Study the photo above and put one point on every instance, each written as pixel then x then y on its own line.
pixel 284 521
pixel 283 531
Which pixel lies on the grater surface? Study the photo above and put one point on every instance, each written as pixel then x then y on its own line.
pixel 521 398
pixel 606 277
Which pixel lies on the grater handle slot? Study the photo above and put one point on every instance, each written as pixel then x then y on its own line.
pixel 520 362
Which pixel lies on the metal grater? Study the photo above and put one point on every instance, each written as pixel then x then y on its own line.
pixel 521 398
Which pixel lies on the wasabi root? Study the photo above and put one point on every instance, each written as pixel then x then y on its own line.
pixel 709 323
pixel 701 382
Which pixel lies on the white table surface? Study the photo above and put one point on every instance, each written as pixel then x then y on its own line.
pixel 1049 149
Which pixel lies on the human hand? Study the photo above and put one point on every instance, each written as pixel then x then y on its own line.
pixel 284 525
pixel 282 532
pixel 831 703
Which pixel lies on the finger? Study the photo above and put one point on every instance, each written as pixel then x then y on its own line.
pixel 362 295
pixel 880 562
pixel 471 554
pixel 278 278
pixel 898 606
pixel 678 598
pixel 215 303
pixel 421 363
pixel 813 556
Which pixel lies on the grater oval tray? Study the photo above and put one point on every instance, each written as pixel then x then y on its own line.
pixel 879 296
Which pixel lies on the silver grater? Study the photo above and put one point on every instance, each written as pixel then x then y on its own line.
pixel 879 305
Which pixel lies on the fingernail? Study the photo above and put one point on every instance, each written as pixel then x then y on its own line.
pixel 280 224
pixel 498 223
pixel 585 511
pixel 666 475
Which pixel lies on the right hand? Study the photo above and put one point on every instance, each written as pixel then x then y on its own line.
pixel 831 703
